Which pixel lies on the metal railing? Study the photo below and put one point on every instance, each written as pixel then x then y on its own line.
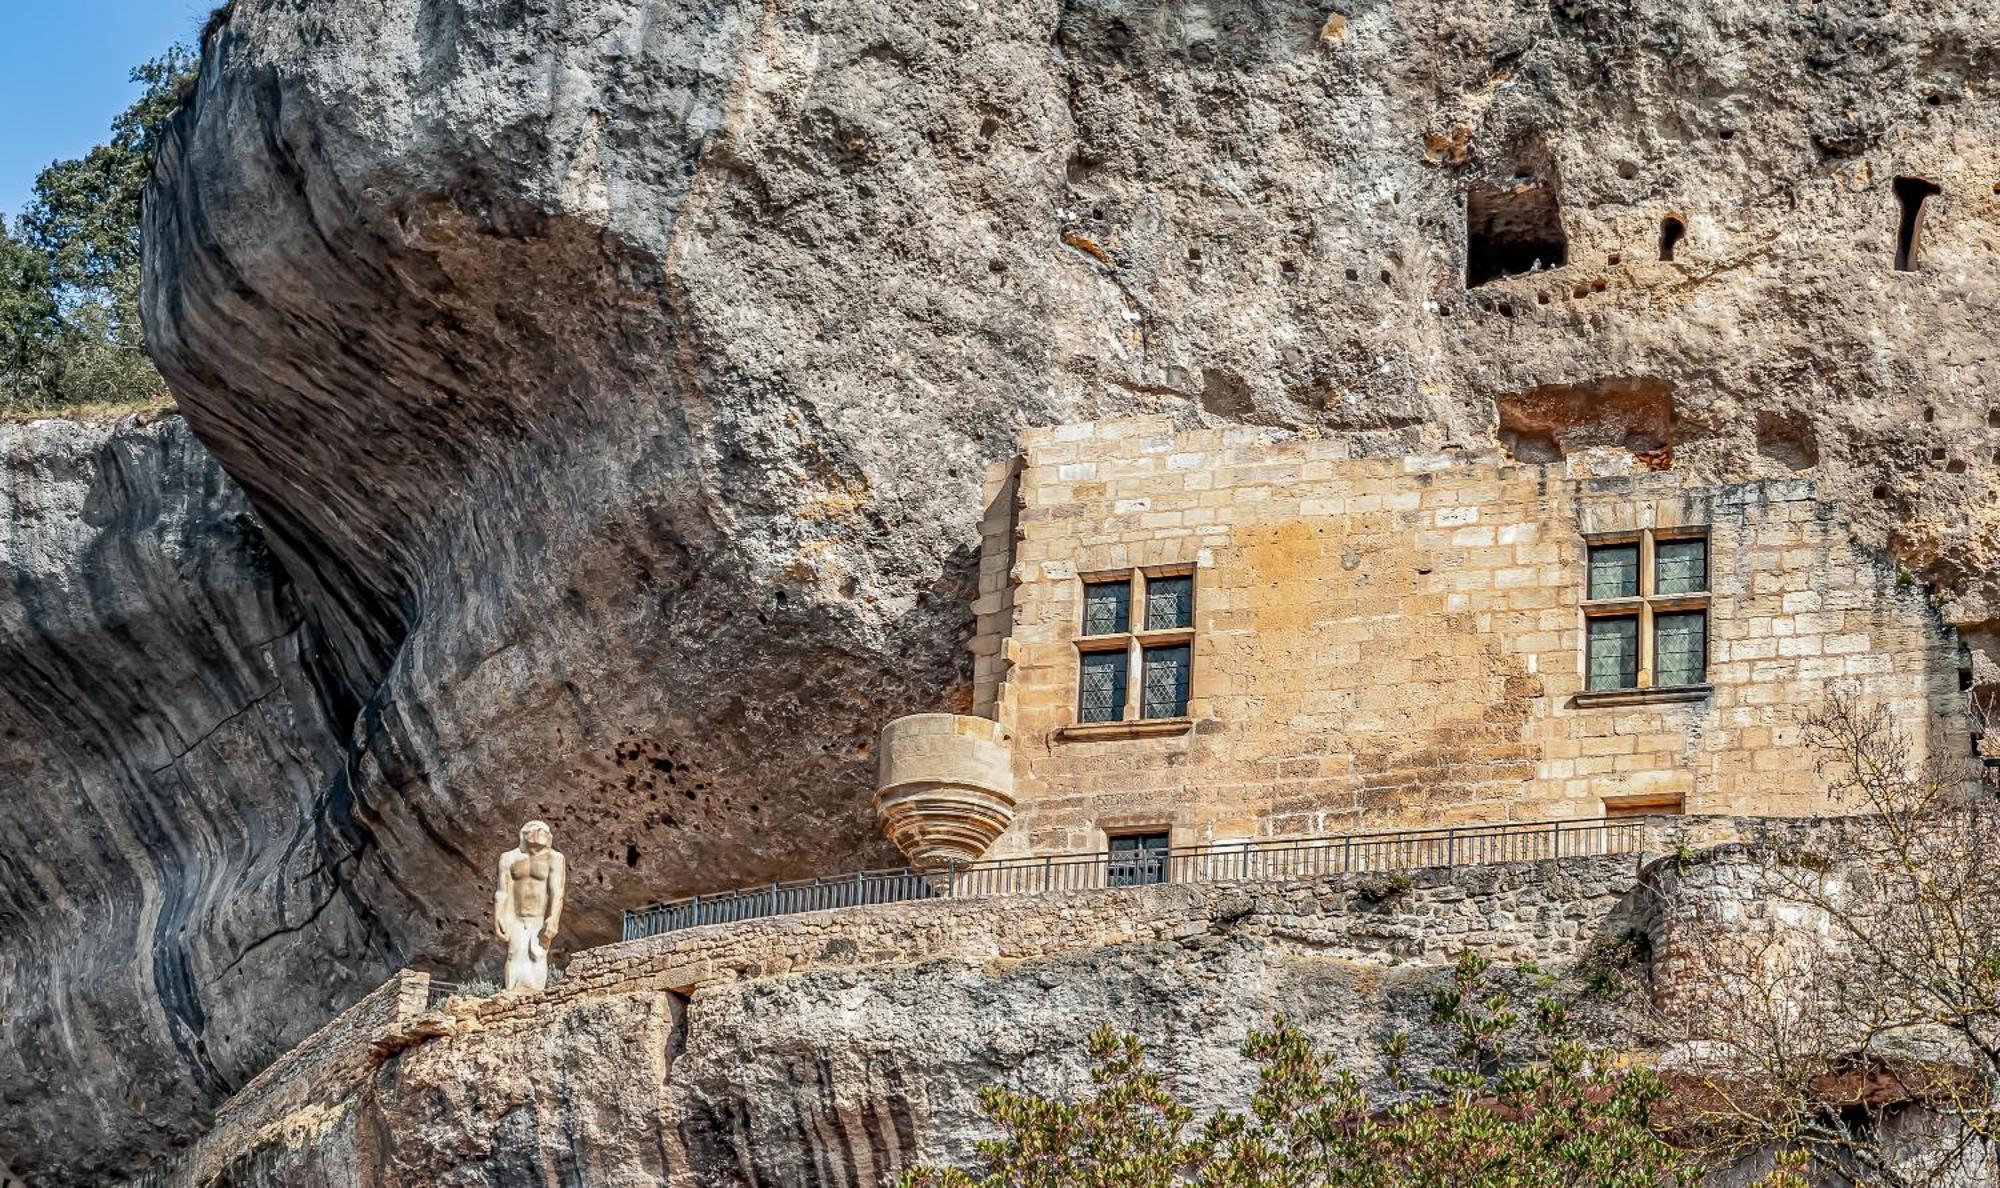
pixel 1301 858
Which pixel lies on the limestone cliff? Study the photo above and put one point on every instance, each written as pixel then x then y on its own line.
pixel 172 906
pixel 617 382
pixel 730 263
pixel 614 382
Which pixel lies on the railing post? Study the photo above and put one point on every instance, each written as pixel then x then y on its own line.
pixel 951 878
pixel 1556 838
pixel 1347 854
pixel 1047 870
pixel 1450 848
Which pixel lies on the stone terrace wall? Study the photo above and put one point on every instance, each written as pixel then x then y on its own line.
pixel 1546 912
pixel 328 1065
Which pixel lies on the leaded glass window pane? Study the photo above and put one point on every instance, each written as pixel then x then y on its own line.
pixel 1680 641
pixel 1613 653
pixel 1166 678
pixel 1169 603
pixel 1683 567
pixel 1107 608
pixel 1102 698
pixel 1138 859
pixel 1614 571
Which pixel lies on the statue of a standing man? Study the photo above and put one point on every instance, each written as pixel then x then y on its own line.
pixel 527 907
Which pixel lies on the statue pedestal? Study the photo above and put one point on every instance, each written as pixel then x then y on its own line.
pixel 946 789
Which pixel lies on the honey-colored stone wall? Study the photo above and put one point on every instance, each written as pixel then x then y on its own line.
pixel 1399 642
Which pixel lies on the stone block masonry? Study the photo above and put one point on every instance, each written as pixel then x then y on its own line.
pixel 1401 641
pixel 293 1090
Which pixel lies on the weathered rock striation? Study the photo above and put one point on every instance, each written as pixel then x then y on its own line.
pixel 172 907
pixel 615 381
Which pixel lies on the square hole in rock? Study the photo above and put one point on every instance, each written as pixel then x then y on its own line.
pixel 1510 230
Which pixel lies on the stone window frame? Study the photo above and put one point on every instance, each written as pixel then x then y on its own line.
pixel 1134 642
pixel 1645 607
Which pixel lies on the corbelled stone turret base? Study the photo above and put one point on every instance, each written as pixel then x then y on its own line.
pixel 946 787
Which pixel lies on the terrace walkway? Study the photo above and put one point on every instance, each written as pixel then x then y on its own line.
pixel 1290 858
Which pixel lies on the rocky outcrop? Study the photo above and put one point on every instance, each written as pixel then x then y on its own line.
pixel 838 1048
pixel 618 387
pixel 173 911
pixel 614 382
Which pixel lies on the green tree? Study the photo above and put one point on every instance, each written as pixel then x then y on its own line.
pixel 29 321
pixel 1130 1133
pixel 69 272
pixel 1518 1105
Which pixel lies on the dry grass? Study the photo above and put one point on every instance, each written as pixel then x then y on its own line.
pixel 96 413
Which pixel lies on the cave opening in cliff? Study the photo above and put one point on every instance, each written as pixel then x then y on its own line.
pixel 1912 194
pixel 1672 231
pixel 1511 230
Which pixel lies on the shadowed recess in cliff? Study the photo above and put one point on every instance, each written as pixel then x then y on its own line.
pixel 532 517
pixel 1548 423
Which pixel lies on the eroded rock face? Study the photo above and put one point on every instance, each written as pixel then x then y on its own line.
pixel 836 1050
pixel 173 907
pixel 814 1080
pixel 615 379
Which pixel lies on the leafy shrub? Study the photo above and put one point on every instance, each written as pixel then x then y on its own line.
pixel 1517 1104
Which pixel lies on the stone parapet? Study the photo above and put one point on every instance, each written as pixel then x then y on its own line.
pixel 322 1069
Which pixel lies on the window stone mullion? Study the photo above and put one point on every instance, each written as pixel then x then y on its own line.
pixel 1135 680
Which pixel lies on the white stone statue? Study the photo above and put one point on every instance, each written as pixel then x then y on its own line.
pixel 527 906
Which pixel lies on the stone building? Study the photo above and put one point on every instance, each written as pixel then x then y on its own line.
pixel 1200 637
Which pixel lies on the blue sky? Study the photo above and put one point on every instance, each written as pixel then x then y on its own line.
pixel 63 67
